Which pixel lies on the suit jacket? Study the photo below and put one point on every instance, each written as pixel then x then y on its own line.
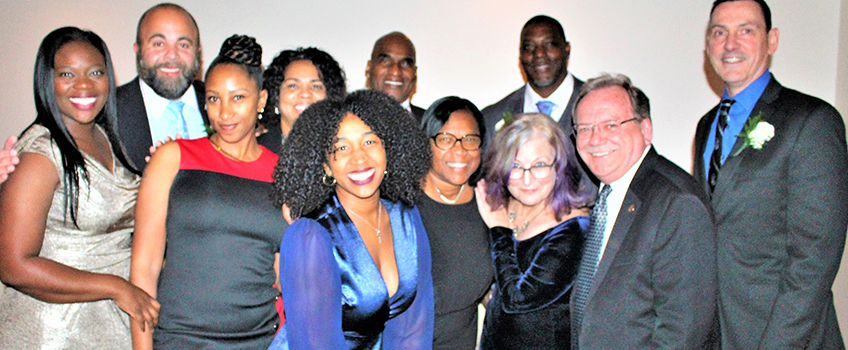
pixel 781 213
pixel 514 103
pixel 418 112
pixel 655 286
pixel 133 126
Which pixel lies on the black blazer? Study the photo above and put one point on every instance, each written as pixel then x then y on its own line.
pixel 418 112
pixel 781 213
pixel 655 287
pixel 514 103
pixel 133 126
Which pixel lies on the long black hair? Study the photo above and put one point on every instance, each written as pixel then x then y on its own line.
pixel 48 114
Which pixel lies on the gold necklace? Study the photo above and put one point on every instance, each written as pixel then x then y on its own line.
pixel 222 151
pixel 379 215
pixel 449 201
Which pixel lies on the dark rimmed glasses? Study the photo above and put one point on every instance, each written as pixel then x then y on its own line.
pixel 446 141
pixel 538 170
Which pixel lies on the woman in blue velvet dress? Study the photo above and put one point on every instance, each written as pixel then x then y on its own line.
pixel 534 201
pixel 354 267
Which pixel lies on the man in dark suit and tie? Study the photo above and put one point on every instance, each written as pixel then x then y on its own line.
pixel 774 162
pixel 647 279
pixel 164 100
pixel 550 88
pixel 392 70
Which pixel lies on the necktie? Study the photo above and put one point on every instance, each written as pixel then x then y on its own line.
pixel 589 262
pixel 174 114
pixel 545 107
pixel 715 159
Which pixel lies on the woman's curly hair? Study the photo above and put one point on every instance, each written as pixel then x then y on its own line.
pixel 298 176
pixel 329 71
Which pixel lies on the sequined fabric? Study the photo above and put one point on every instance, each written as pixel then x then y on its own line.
pixel 101 244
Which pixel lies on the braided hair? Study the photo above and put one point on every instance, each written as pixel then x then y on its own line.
pixel 241 50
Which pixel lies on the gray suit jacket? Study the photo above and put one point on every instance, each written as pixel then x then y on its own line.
pixel 655 287
pixel 514 103
pixel 133 126
pixel 781 213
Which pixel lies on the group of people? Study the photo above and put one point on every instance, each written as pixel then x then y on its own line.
pixel 278 211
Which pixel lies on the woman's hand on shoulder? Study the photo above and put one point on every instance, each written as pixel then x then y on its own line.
pixel 492 218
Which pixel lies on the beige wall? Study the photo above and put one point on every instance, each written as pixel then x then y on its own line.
pixel 467 48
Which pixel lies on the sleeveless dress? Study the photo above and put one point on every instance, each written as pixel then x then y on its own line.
pixel 530 304
pixel 462 269
pixel 216 287
pixel 334 294
pixel 101 244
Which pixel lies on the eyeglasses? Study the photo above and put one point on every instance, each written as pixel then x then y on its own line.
pixel 446 141
pixel 610 127
pixel 538 170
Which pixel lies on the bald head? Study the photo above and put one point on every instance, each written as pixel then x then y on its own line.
pixel 391 68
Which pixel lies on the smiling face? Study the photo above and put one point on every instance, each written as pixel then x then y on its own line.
pixel 544 57
pixel 80 83
pixel 392 67
pixel 738 44
pixel 232 102
pixel 358 160
pixel 529 190
pixel 168 52
pixel 610 154
pixel 455 165
pixel 301 87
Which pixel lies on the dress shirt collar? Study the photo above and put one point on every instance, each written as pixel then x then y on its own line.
pixel 560 97
pixel 155 104
pixel 748 97
pixel 616 197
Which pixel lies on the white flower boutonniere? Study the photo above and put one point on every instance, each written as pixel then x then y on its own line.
pixel 506 117
pixel 756 133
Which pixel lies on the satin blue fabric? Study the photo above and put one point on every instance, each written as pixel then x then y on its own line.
pixel 334 295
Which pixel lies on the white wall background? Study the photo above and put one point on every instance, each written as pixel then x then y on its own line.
pixel 468 48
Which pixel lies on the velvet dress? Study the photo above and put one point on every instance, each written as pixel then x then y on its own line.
pixel 530 303
pixel 334 294
pixel 216 287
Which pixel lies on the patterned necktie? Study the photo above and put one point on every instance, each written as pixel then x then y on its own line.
pixel 174 114
pixel 715 159
pixel 545 107
pixel 589 263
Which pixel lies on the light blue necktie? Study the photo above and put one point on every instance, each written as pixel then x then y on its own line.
pixel 589 263
pixel 545 107
pixel 174 114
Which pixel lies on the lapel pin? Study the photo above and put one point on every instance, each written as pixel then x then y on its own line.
pixel 631 208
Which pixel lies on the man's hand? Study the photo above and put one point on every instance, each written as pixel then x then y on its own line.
pixel 8 158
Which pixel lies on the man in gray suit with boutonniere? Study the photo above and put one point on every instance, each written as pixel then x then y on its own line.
pixel 773 161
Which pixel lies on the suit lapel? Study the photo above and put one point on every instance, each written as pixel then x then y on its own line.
pixel 621 226
pixel 764 107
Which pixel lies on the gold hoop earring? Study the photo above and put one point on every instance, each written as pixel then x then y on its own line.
pixel 325 181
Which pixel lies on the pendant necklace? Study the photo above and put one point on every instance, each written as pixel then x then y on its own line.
pixel 379 215
pixel 519 230
pixel 449 201
pixel 222 151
